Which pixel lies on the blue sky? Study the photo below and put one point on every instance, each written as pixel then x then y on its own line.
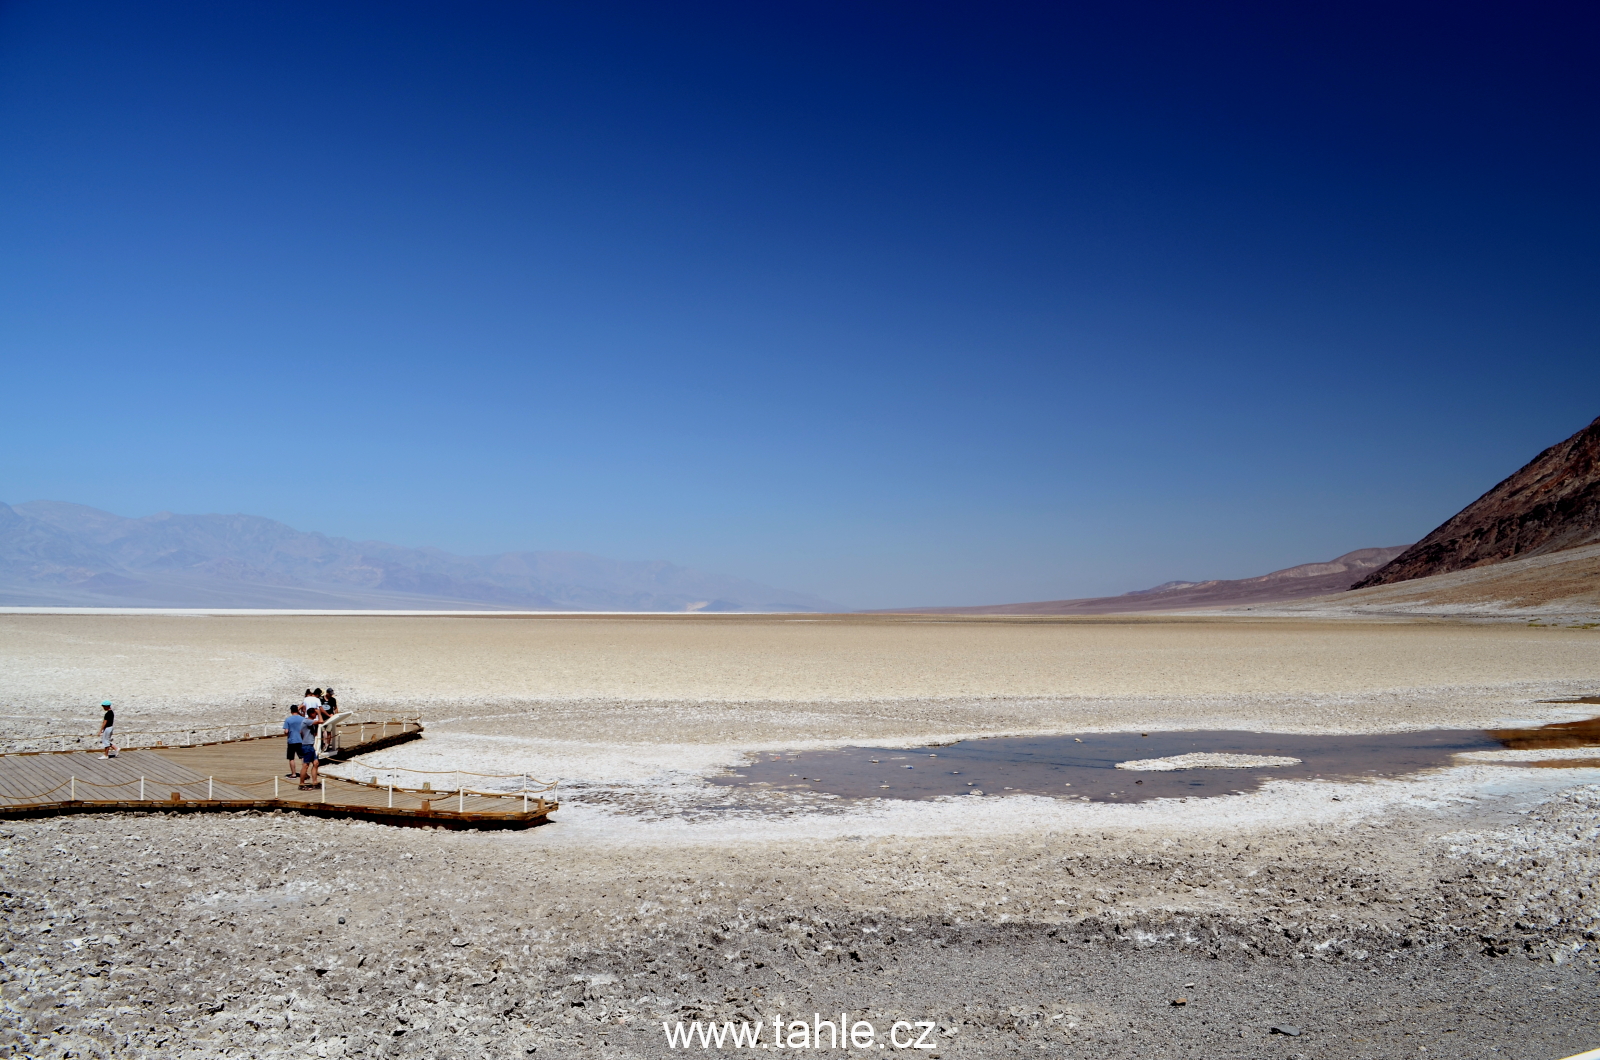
pixel 895 304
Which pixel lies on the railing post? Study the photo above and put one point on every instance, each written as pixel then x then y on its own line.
pixel 324 789
pixel 141 789
pixel 210 782
pixel 391 796
pixel 74 789
pixel 274 785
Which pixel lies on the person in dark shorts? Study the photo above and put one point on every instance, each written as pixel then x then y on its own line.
pixel 308 764
pixel 108 740
pixel 294 727
pixel 330 707
pixel 308 745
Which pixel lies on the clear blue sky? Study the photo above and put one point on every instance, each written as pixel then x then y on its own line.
pixel 897 304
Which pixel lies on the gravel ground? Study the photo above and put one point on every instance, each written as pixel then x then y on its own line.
pixel 1470 931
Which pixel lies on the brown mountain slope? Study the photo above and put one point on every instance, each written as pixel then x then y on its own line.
pixel 1551 504
pixel 1293 583
pixel 1554 587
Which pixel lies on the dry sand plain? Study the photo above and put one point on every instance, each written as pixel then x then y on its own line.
pixel 1453 912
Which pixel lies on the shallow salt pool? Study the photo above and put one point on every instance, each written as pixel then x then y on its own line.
pixel 1083 765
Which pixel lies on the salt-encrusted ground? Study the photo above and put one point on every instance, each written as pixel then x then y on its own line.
pixel 1467 928
pixel 1455 911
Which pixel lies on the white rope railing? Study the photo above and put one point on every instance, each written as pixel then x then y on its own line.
pixel 384 724
pixel 485 784
pixel 426 794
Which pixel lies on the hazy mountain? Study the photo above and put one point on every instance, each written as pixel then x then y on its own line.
pixel 1292 583
pixel 1552 504
pixel 57 554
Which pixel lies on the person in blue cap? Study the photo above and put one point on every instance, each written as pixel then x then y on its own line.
pixel 108 745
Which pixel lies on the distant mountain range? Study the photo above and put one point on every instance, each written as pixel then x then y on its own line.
pixel 1292 583
pixel 1552 504
pixel 55 554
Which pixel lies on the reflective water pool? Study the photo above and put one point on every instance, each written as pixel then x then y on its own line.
pixel 1083 765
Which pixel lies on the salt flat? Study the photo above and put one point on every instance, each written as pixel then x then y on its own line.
pixel 656 701
pixel 837 669
pixel 1349 908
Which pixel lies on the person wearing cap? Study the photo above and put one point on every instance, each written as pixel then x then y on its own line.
pixel 108 746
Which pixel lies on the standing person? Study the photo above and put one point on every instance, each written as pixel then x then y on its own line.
pixel 308 763
pixel 308 740
pixel 108 744
pixel 294 727
pixel 330 707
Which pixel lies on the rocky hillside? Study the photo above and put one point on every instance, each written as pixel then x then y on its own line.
pixel 1551 504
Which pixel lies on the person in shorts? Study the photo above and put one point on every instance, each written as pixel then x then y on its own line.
pixel 308 743
pixel 294 727
pixel 308 764
pixel 108 742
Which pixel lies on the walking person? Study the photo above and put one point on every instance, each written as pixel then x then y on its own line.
pixel 294 727
pixel 108 743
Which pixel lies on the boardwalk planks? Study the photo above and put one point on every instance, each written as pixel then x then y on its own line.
pixel 242 774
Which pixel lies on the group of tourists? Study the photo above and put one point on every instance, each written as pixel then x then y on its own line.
pixel 304 732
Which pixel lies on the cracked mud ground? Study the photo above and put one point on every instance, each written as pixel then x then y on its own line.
pixel 1471 932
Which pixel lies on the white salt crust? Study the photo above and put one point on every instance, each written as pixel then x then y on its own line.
pixel 1205 760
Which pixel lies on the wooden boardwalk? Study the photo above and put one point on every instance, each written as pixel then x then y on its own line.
pixel 249 774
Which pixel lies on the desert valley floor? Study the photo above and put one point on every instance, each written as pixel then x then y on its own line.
pixel 1452 912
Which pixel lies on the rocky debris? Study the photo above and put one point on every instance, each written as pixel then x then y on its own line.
pixel 191 937
pixel 1551 504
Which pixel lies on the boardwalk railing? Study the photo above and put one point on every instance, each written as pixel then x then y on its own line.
pixel 446 781
pixel 350 728
pixel 172 776
pixel 157 795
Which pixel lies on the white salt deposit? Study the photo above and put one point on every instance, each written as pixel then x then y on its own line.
pixel 1205 760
